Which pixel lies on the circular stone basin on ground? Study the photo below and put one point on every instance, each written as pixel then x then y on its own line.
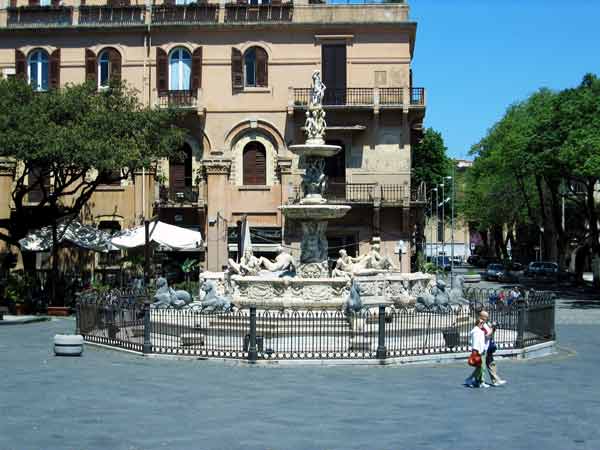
pixel 320 150
pixel 314 212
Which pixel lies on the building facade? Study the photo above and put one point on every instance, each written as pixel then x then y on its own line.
pixel 241 73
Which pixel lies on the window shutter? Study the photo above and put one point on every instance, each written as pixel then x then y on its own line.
pixel 196 69
pixel 176 175
pixel 20 65
pixel 34 2
pixel 262 67
pixel 115 64
pixel 162 66
pixel 13 3
pixel 170 2
pixel 90 65
pixel 55 69
pixel 56 3
pixel 254 164
pixel 237 69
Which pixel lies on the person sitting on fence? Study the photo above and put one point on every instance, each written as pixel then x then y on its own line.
pixel 513 295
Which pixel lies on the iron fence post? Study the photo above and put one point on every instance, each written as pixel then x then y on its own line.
pixel 147 347
pixel 77 318
pixel 520 325
pixel 252 352
pixel 381 350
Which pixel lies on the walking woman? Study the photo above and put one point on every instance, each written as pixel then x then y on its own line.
pixel 477 343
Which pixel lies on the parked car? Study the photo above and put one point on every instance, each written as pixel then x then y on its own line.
pixel 494 271
pixel 511 273
pixel 541 269
pixel 443 262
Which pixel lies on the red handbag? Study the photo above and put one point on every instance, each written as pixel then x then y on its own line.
pixel 475 359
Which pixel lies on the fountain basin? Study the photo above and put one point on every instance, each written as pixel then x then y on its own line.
pixel 319 150
pixel 314 212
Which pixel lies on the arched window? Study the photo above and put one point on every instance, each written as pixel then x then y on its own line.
pixel 255 163
pixel 37 70
pixel 180 70
pixel 256 67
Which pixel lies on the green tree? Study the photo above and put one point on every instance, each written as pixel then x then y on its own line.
pixel 67 142
pixel 430 163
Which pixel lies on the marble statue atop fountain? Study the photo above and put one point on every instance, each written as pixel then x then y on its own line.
pixel 315 115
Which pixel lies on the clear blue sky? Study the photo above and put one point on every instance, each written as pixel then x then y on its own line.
pixel 476 57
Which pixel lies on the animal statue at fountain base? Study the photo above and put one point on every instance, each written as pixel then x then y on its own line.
pixel 167 297
pixel 212 301
pixel 438 300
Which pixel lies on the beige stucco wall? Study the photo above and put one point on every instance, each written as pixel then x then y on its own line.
pixel 379 40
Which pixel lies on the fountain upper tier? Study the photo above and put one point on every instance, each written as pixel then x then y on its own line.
pixel 314 212
pixel 316 149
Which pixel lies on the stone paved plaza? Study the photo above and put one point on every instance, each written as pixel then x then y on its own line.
pixel 113 400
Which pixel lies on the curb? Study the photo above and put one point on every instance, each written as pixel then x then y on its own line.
pixel 32 319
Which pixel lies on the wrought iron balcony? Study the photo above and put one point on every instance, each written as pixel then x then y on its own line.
pixel 108 15
pixel 185 14
pixel 242 12
pixel 36 16
pixel 188 195
pixel 395 97
pixel 187 99
pixel 360 193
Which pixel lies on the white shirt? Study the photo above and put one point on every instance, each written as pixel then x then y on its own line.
pixel 477 340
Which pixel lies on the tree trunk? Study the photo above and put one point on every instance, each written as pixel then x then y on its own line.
pixel 594 238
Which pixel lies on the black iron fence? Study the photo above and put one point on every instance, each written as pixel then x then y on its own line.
pixel 178 99
pixel 122 319
pixel 35 16
pixel 110 15
pixel 185 14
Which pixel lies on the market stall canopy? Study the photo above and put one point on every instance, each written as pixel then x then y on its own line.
pixel 171 236
pixel 84 236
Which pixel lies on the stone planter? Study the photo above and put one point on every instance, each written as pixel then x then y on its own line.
pixel 473 278
pixel 68 345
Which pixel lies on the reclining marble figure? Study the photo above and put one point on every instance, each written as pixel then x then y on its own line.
pixel 283 265
pixel 248 265
pixel 167 297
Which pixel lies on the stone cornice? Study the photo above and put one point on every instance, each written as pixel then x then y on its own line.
pixel 8 168
pixel 220 166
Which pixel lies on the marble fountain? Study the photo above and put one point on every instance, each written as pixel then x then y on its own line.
pixel 285 284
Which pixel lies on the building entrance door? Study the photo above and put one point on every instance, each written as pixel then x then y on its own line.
pixel 333 65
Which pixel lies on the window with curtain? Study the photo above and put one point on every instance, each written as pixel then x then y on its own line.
pixel 38 70
pixel 45 2
pixel 180 70
pixel 104 69
pixel 250 67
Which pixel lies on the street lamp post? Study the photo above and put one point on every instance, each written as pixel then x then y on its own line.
pixel 437 219
pixel 452 231
pixel 431 226
pixel 443 220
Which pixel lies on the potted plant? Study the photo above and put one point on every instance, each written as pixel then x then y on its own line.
pixel 16 293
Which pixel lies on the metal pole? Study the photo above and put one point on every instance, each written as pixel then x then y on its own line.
pixel 147 347
pixel 146 253
pixel 443 221
pixel 452 232
pixel 431 227
pixel 437 225
pixel 563 213
pixel 252 351
pixel 381 350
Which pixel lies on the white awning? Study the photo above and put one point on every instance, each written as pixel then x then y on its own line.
pixel 171 236
pixel 83 236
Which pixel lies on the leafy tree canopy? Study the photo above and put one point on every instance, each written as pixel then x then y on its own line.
pixel 69 141
pixel 430 163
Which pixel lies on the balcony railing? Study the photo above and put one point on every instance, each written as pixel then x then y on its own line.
pixel 178 99
pixel 358 193
pixel 363 97
pixel 179 195
pixel 34 16
pixel 236 12
pixel 108 15
pixel 184 14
